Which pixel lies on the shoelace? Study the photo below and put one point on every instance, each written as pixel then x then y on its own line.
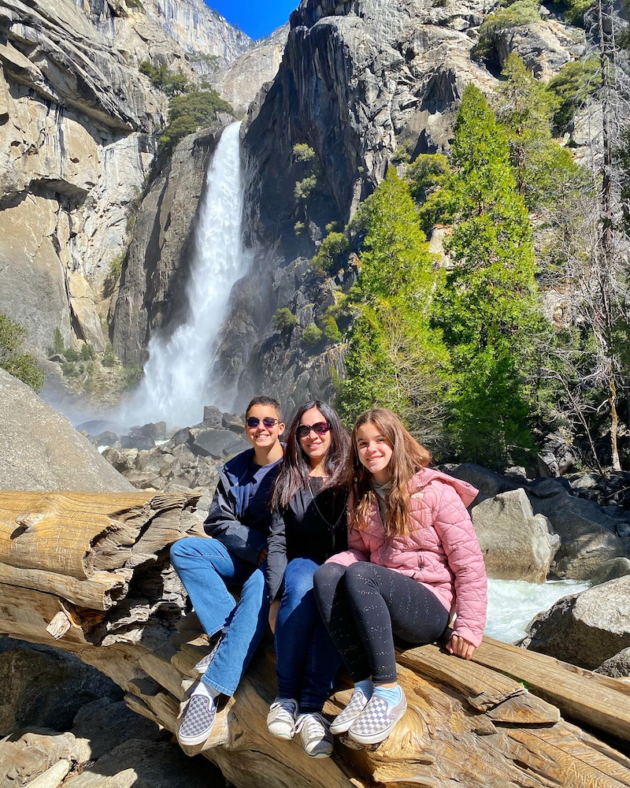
pixel 290 706
pixel 314 722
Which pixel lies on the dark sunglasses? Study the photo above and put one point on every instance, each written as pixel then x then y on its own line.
pixel 253 422
pixel 321 428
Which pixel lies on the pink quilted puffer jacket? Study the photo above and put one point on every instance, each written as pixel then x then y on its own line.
pixel 441 551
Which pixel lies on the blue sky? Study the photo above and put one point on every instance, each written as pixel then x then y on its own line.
pixel 256 17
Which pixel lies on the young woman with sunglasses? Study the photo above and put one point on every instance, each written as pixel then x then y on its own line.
pixel 308 526
pixel 413 560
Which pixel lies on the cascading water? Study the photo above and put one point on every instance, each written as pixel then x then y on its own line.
pixel 177 374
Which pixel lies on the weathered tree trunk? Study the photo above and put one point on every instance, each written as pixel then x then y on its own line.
pixel 90 574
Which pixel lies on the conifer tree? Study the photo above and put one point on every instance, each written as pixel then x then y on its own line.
pixel 395 358
pixel 488 309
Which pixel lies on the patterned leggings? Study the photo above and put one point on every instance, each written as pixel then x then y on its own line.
pixel 364 605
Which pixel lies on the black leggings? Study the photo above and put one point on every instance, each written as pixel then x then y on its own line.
pixel 364 605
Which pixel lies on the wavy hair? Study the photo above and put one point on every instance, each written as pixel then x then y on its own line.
pixel 408 458
pixel 295 467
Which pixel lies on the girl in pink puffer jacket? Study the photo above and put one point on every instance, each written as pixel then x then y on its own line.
pixel 414 559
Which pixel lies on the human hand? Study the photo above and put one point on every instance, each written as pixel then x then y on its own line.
pixel 273 614
pixel 262 557
pixel 460 647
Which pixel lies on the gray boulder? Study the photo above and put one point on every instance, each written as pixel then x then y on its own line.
pixel 611 570
pixel 616 667
pixel 585 629
pixel 488 483
pixel 96 426
pixel 43 687
pixel 217 443
pixel 516 544
pixel 106 439
pixel 157 431
pixel 41 450
pixel 587 533
pixel 232 422
pixel 140 442
pixel 212 416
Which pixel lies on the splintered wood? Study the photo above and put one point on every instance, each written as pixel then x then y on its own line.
pixel 90 574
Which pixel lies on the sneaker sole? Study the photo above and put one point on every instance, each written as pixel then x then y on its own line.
pixel 287 736
pixel 319 754
pixel 377 738
pixel 193 741
pixel 344 727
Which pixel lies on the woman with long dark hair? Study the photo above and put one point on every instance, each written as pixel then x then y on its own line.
pixel 414 559
pixel 309 503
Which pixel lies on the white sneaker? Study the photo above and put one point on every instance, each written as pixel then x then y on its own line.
pixel 281 719
pixel 314 730
pixel 377 720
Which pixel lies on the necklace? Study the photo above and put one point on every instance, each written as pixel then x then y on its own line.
pixel 317 509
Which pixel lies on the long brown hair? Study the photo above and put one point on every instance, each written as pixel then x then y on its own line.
pixel 408 458
pixel 295 467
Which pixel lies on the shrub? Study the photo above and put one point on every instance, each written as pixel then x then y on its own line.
pixel 171 83
pixel 190 112
pixel 87 352
pixel 132 374
pixel 114 271
pixel 57 347
pixel 21 365
pixel 573 84
pixel 303 188
pixel 71 354
pixel 331 329
pixel 69 369
pixel 333 246
pixel 303 152
pixel 312 335
pixel 404 152
pixel 299 228
pixel 109 357
pixel 284 319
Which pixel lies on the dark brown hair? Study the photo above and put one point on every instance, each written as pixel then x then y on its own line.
pixel 295 467
pixel 269 401
pixel 408 458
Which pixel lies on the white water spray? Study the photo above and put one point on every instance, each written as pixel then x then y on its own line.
pixel 177 374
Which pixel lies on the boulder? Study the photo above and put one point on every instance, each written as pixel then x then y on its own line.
pixel 616 667
pixel 516 544
pixel 122 459
pixel 140 442
pixel 148 764
pixel 106 723
pixel 158 431
pixel 585 629
pixel 43 687
pixel 41 450
pixel 212 416
pixel 587 534
pixel 97 426
pixel 611 570
pixel 180 437
pixel 106 439
pixel 219 444
pixel 558 456
pixel 235 423
pixel 488 483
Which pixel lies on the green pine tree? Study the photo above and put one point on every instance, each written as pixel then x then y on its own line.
pixel 489 309
pixel 395 358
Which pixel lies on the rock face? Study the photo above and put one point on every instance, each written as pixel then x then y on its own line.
pixel 616 667
pixel 152 290
pixel 516 544
pixel 41 450
pixel 240 83
pixel 588 535
pixel 78 125
pixel 585 629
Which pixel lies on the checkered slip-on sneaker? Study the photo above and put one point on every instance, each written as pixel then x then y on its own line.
pixel 315 735
pixel 281 719
pixel 198 721
pixel 377 720
pixel 204 664
pixel 343 721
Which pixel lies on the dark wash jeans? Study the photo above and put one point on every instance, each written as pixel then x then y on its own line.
pixel 307 659
pixel 206 568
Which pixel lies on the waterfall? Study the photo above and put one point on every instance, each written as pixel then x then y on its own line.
pixel 177 376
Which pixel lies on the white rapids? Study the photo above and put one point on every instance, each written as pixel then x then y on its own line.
pixel 177 375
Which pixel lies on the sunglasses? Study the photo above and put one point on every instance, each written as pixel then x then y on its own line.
pixel 252 422
pixel 321 428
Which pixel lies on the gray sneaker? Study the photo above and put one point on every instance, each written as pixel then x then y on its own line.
pixel 202 666
pixel 377 720
pixel 343 721
pixel 198 721
pixel 281 719
pixel 315 735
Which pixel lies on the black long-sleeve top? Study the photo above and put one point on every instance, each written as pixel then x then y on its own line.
pixel 314 528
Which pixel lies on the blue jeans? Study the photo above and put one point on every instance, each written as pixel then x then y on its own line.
pixel 206 567
pixel 306 658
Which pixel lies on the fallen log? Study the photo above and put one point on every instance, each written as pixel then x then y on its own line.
pixel 90 574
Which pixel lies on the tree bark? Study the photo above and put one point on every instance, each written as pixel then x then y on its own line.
pixel 90 574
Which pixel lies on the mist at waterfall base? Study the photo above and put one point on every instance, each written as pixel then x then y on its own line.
pixel 177 379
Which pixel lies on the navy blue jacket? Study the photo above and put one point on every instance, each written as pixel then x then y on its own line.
pixel 228 517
